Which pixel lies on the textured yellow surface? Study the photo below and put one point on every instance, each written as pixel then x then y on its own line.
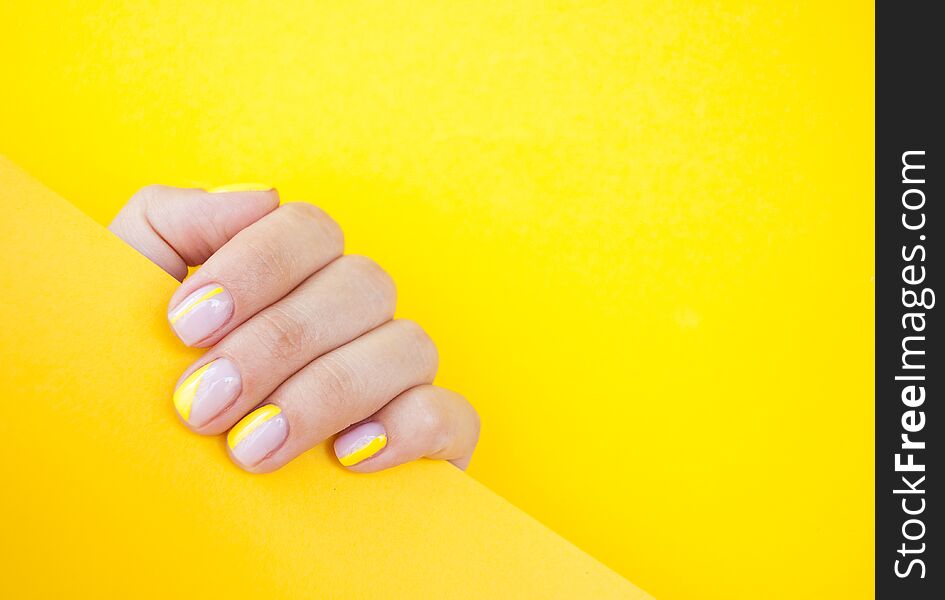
pixel 107 495
pixel 640 232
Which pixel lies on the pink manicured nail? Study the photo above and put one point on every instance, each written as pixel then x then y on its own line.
pixel 258 434
pixel 361 443
pixel 207 392
pixel 201 313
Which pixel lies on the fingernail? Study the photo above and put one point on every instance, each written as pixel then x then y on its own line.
pixel 240 187
pixel 201 313
pixel 207 392
pixel 258 434
pixel 362 442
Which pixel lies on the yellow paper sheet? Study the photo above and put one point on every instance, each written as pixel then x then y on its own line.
pixel 106 494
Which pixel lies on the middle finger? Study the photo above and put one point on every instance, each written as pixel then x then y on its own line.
pixel 344 300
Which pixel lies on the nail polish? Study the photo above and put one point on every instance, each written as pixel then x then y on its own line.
pixel 361 443
pixel 201 313
pixel 207 392
pixel 258 434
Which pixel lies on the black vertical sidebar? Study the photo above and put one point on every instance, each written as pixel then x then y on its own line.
pixel 910 373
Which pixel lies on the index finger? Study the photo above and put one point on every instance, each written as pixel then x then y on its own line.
pixel 257 267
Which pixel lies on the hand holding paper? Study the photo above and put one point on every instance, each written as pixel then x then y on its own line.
pixel 107 496
pixel 303 341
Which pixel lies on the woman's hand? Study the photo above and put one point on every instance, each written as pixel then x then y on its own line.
pixel 302 341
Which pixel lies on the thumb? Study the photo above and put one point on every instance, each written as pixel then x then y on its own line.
pixel 176 227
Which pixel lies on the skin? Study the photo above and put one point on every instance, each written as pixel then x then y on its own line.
pixel 311 329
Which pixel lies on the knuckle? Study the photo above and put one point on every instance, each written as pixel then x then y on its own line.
pixel 338 382
pixel 432 419
pixel 280 334
pixel 149 191
pixel 475 422
pixel 327 227
pixel 421 344
pixel 381 286
pixel 270 262
pixel 433 416
pixel 146 197
pixel 304 210
pixel 362 265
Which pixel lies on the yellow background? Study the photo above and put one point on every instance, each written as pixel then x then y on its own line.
pixel 640 232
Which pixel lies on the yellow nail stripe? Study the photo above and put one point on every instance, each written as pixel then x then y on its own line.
pixel 240 187
pixel 185 393
pixel 251 423
pixel 192 305
pixel 366 451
